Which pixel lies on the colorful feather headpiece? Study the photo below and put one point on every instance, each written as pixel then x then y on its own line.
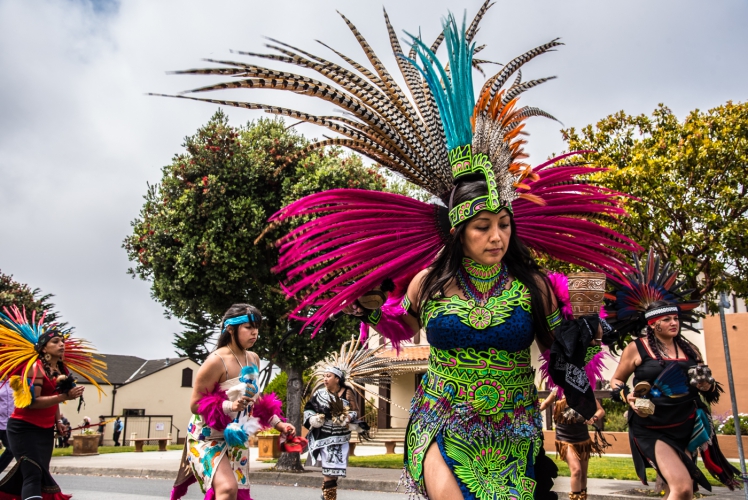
pixel 636 298
pixel 21 342
pixel 435 136
pixel 361 366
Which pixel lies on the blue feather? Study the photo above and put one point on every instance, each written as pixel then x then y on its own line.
pixel 248 374
pixel 29 332
pixel 672 381
pixel 234 434
pixel 453 92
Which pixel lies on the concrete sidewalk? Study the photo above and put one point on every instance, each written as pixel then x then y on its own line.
pixel 163 465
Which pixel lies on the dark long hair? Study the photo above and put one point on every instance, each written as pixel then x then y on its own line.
pixel 518 260
pixel 685 345
pixel 228 333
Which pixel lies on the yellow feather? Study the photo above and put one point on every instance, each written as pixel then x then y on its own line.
pixel 21 397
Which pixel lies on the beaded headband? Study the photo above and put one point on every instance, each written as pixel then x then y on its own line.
pixel 335 371
pixel 661 311
pixel 464 163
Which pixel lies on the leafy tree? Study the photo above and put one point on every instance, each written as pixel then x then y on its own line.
pixel 688 186
pixel 33 300
pixel 195 341
pixel 195 236
pixel 278 386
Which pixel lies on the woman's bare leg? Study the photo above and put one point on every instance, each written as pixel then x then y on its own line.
pixel 440 482
pixel 679 482
pixel 585 465
pixel 575 470
pixel 224 481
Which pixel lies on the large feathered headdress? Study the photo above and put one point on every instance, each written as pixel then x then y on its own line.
pixel 629 304
pixel 21 343
pixel 434 137
pixel 362 366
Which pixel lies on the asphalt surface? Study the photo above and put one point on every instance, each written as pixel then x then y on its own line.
pixel 126 488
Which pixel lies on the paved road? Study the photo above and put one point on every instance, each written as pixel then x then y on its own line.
pixel 126 488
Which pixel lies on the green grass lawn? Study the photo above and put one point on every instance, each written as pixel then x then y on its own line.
pixel 66 452
pixel 602 468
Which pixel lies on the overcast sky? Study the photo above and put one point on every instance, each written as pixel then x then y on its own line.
pixel 79 140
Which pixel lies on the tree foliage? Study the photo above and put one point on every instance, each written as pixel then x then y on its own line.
pixel 194 239
pixel 688 186
pixel 33 300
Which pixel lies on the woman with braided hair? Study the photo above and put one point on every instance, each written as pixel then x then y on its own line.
pixel 38 361
pixel 327 415
pixel 669 417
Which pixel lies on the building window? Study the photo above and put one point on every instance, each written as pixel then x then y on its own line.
pixel 187 377
pixel 130 412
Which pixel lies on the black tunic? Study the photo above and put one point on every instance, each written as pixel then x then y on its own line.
pixel 672 422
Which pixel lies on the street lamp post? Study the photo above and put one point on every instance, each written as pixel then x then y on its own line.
pixel 723 303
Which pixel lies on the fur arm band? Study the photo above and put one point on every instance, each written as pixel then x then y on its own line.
pixel 268 409
pixel 211 408
pixel 389 321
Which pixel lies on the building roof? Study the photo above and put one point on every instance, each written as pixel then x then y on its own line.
pixel 407 353
pixel 125 369
pixel 152 366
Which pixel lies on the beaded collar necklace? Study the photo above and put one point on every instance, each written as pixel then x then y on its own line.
pixel 480 282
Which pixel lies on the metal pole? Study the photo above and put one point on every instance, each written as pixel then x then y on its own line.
pixel 723 303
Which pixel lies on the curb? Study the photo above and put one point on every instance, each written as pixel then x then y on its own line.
pixel 113 472
pixel 309 479
pixel 313 479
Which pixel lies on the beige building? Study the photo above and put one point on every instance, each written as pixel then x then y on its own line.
pixel 152 397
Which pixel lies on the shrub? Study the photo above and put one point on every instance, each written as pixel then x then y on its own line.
pixel 615 421
pixel 728 425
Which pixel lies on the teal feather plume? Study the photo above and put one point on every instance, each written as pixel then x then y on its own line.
pixel 452 89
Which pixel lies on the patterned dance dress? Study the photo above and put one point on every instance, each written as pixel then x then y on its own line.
pixel 206 447
pixel 329 444
pixel 478 401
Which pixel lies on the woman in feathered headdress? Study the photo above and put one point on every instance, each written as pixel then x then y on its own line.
pixel 461 267
pixel 327 415
pixel 227 410
pixel 332 411
pixel 669 416
pixel 36 359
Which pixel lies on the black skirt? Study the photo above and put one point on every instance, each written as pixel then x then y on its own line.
pixel 32 445
pixel 672 424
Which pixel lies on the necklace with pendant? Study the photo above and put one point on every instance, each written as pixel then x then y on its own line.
pixel 480 282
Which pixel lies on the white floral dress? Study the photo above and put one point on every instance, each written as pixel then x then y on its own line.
pixel 206 448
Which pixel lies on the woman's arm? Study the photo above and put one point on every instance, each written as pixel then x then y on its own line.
pixel 414 289
pixel 630 359
pixel 207 377
pixel 353 409
pixel 41 402
pixel 549 400
pixel 550 304
pixel 397 319
pixel 599 414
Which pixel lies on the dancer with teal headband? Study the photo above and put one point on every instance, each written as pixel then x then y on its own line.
pixel 227 409
pixel 461 267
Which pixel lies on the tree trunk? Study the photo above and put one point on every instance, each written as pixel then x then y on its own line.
pixel 294 388
pixel 289 462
